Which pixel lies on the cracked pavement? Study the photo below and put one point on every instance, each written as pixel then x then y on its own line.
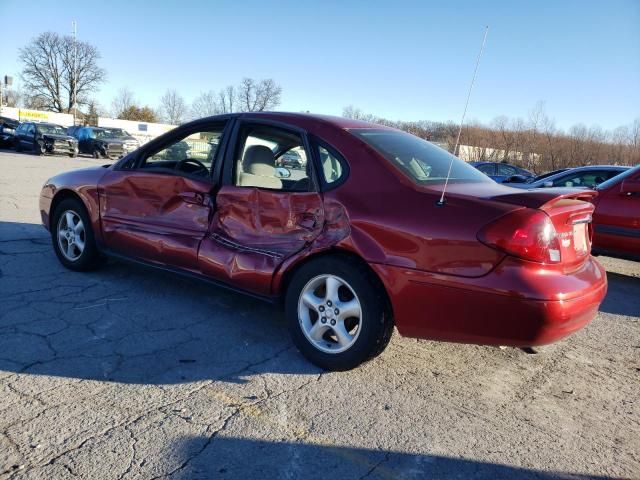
pixel 126 373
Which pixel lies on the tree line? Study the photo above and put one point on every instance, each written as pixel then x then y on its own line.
pixel 249 96
pixel 534 143
pixel 60 74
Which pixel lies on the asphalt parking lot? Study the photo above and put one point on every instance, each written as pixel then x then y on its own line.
pixel 125 373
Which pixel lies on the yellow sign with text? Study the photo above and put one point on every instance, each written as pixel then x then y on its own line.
pixel 32 115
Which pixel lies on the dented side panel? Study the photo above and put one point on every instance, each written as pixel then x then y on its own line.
pixel 254 231
pixel 154 216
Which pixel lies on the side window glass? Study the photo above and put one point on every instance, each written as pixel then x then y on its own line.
pixel 193 154
pixel 506 170
pixel 332 165
pixel 487 169
pixel 273 158
pixel 576 180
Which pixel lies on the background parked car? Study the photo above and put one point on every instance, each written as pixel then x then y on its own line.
pixel 105 142
pixel 43 138
pixel 7 131
pixel 503 172
pixel 616 219
pixel 585 177
pixel 290 159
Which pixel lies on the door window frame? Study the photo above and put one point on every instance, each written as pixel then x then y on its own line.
pixel 324 185
pixel 229 164
pixel 133 162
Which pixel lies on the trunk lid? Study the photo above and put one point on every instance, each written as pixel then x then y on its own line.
pixel 569 210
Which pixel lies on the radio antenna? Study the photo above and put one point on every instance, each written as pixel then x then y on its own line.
pixel 464 114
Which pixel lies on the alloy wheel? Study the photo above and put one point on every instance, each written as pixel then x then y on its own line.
pixel 329 313
pixel 71 235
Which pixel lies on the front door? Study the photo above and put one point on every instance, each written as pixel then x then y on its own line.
pixel 27 138
pixel 265 211
pixel 158 207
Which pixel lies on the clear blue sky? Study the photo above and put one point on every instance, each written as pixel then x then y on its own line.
pixel 399 59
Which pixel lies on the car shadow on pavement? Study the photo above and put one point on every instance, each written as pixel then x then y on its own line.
pixel 242 458
pixel 623 296
pixel 128 324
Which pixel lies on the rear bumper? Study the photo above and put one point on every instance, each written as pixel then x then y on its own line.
pixel 518 303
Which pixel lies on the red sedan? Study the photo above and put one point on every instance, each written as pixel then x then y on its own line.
pixel 617 216
pixel 354 241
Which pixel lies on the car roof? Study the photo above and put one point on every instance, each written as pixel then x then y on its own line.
pixel 597 167
pixel 301 120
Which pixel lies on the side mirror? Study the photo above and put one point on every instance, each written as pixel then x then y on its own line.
pixel 547 184
pixel 282 172
pixel 630 187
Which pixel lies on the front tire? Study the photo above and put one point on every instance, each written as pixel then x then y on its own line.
pixel 337 313
pixel 72 236
pixel 37 148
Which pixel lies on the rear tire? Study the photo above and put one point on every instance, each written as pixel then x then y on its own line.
pixel 72 236
pixel 337 313
pixel 37 148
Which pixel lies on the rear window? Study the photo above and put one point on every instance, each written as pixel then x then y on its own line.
pixel 421 161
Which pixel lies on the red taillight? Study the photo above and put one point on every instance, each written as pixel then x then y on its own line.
pixel 525 233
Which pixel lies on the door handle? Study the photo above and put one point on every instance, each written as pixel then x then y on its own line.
pixel 194 198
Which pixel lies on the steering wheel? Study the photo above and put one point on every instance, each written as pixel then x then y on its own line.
pixel 201 166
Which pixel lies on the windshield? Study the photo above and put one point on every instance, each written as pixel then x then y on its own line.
pixel 111 133
pixel 54 129
pixel 418 159
pixel 618 178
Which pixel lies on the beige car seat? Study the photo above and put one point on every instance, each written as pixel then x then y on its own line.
pixel 258 168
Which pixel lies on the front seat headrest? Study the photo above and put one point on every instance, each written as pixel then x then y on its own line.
pixel 259 160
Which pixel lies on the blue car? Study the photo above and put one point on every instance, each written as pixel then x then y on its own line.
pixel 503 172
pixel 579 177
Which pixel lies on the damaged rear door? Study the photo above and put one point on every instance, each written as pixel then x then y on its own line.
pixel 267 209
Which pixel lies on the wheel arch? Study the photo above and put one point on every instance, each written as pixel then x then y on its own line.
pixel 90 210
pixel 283 278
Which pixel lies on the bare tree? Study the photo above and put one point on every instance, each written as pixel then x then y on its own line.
pixel 227 100
pixel 58 71
pixel 123 100
pixel 258 96
pixel 204 105
pixel 356 114
pixel 173 108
